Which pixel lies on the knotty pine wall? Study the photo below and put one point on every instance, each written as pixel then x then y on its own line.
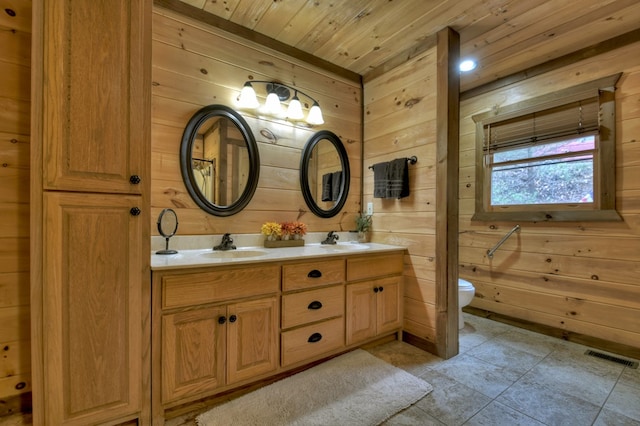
pixel 195 65
pixel 580 277
pixel 15 89
pixel 400 121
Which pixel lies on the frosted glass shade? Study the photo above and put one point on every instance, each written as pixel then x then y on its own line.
pixel 295 109
pixel 248 97
pixel 272 105
pixel 315 115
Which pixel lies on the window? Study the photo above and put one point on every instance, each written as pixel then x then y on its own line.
pixel 550 158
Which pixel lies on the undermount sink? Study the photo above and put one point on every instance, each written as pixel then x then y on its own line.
pixel 234 254
pixel 344 246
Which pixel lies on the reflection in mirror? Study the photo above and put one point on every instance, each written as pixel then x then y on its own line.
pixel 324 174
pixel 219 160
pixel 167 227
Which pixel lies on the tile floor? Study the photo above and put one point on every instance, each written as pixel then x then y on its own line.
pixel 505 375
pixel 509 376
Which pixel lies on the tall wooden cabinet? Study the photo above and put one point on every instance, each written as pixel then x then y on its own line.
pixel 90 185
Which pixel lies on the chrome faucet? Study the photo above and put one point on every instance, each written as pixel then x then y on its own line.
pixel 331 238
pixel 226 243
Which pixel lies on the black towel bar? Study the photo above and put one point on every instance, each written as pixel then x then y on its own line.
pixel 411 160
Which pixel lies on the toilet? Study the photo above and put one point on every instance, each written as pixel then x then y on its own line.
pixel 466 291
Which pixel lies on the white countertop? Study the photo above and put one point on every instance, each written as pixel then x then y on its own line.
pixel 197 258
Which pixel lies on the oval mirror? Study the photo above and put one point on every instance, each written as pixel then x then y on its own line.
pixel 167 227
pixel 324 174
pixel 219 160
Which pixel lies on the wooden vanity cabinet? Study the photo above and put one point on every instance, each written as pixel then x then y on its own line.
pixel 312 310
pixel 213 328
pixel 373 297
pixel 205 349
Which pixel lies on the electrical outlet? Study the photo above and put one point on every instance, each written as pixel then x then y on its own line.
pixel 369 208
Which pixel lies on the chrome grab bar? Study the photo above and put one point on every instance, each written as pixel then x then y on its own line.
pixel 497 246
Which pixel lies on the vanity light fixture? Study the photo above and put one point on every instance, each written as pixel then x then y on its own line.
pixel 276 94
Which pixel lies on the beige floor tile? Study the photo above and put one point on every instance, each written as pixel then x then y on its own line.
pixel 496 414
pixel 624 400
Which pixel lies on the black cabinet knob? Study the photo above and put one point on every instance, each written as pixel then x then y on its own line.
pixel 380 289
pixel 134 179
pixel 375 289
pixel 222 320
pixel 315 337
pixel 314 305
pixel 135 211
pixel 233 318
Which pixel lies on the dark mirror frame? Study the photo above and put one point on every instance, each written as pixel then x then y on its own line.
pixel 186 149
pixel 304 173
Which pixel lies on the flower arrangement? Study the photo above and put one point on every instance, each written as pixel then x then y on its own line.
pixel 298 228
pixel 272 230
pixel 279 233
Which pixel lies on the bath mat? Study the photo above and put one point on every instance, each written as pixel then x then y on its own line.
pixel 353 389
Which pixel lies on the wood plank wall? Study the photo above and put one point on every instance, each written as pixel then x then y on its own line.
pixel 400 121
pixel 195 65
pixel 15 92
pixel 579 277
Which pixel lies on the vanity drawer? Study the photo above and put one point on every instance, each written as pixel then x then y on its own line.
pixel 313 305
pixel 225 284
pixel 312 274
pixel 311 341
pixel 361 268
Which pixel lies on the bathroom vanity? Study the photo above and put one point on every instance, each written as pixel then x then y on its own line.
pixel 225 320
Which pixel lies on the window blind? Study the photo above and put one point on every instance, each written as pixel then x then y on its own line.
pixel 572 119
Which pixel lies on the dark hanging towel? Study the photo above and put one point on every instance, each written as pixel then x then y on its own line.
pixel 398 176
pixel 336 185
pixel 380 180
pixel 326 186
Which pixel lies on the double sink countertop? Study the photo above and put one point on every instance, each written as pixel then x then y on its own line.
pixel 196 258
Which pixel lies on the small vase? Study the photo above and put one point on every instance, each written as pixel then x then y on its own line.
pixel 363 236
pixel 296 236
pixel 271 237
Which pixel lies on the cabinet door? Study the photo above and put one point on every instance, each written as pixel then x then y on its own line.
pixel 95 94
pixel 361 312
pixel 389 304
pixel 193 352
pixel 253 338
pixel 92 308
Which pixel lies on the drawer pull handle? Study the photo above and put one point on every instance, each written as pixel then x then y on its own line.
pixel 375 289
pixel 233 318
pixel 315 337
pixel 314 274
pixel 222 320
pixel 381 288
pixel 314 305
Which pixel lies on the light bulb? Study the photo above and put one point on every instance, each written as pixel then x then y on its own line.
pixel 248 97
pixel 294 112
pixel 468 65
pixel 315 115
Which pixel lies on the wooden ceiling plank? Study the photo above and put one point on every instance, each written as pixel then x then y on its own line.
pixel 534 25
pixel 447 14
pixel 382 18
pixel 312 14
pixel 223 9
pixel 336 18
pixel 278 15
pixel 249 12
pixel 585 53
pixel 238 31
pixel 574 38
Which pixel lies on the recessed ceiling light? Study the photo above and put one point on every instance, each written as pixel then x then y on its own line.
pixel 468 65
